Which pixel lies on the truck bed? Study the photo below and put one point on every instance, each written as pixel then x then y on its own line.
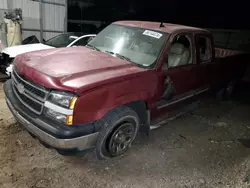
pixel 220 52
pixel 232 63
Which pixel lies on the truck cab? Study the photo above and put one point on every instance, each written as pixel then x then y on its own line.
pixel 133 76
pixel 184 66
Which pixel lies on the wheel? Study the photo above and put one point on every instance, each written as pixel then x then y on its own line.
pixel 225 93
pixel 229 90
pixel 120 127
pixel 220 95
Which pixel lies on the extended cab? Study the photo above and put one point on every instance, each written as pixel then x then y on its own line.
pixel 132 76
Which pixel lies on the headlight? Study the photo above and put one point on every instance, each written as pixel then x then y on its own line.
pixel 59 106
pixel 56 115
pixel 62 99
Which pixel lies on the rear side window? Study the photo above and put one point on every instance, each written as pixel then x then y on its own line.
pixel 204 49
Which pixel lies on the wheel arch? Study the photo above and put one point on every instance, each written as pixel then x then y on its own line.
pixel 112 121
pixel 140 107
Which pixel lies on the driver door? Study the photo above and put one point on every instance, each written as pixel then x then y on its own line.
pixel 180 74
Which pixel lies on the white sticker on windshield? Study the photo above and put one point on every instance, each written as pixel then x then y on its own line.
pixel 152 34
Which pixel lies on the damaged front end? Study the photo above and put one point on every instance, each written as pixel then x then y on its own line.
pixel 5 64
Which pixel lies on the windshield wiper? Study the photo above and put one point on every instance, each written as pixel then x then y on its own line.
pixel 120 56
pixel 124 58
pixel 93 47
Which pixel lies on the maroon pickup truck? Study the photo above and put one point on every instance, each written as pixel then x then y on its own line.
pixel 134 76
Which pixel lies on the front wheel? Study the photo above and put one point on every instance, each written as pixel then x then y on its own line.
pixel 119 129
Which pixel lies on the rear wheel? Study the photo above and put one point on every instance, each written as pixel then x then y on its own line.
pixel 120 127
pixel 230 89
pixel 226 92
pixel 220 95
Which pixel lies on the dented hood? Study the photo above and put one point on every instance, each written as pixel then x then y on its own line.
pixel 74 69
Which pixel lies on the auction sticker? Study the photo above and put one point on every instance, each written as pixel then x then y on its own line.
pixel 152 34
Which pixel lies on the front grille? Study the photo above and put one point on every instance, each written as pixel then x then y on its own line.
pixel 33 89
pixel 30 95
pixel 37 107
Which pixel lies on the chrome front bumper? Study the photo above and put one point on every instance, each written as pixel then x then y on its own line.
pixel 78 143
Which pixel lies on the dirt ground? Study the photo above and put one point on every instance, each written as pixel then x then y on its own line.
pixel 201 149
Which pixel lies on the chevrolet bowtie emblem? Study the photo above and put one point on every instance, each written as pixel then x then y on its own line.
pixel 20 88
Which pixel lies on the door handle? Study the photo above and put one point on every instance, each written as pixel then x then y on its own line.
pixel 167 80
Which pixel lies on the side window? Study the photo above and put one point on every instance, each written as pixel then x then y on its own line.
pixel 83 41
pixel 205 49
pixel 180 53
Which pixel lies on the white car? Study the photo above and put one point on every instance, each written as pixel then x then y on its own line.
pixel 63 40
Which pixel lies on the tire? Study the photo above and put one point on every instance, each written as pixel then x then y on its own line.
pixel 229 90
pixel 220 95
pixel 114 125
pixel 71 153
pixel 226 92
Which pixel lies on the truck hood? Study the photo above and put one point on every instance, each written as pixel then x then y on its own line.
pixel 13 51
pixel 74 69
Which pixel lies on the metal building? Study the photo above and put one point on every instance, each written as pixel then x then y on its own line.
pixel 43 18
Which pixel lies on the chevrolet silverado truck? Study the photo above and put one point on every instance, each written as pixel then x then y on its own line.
pixel 133 76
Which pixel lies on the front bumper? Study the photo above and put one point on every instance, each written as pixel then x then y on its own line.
pixel 60 137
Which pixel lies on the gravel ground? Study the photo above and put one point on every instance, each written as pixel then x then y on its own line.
pixel 200 149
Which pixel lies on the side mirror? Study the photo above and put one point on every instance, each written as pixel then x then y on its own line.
pixel 44 40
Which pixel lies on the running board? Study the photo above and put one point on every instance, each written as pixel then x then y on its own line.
pixel 173 115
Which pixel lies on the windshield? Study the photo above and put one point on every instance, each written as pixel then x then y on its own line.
pixel 62 40
pixel 137 45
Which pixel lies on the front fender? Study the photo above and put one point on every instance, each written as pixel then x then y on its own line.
pixel 95 104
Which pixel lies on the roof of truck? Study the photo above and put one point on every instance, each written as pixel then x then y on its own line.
pixel 168 27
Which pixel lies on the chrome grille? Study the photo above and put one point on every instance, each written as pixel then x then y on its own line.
pixel 30 95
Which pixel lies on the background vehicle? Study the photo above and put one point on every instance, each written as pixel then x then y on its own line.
pixel 133 76
pixel 63 40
